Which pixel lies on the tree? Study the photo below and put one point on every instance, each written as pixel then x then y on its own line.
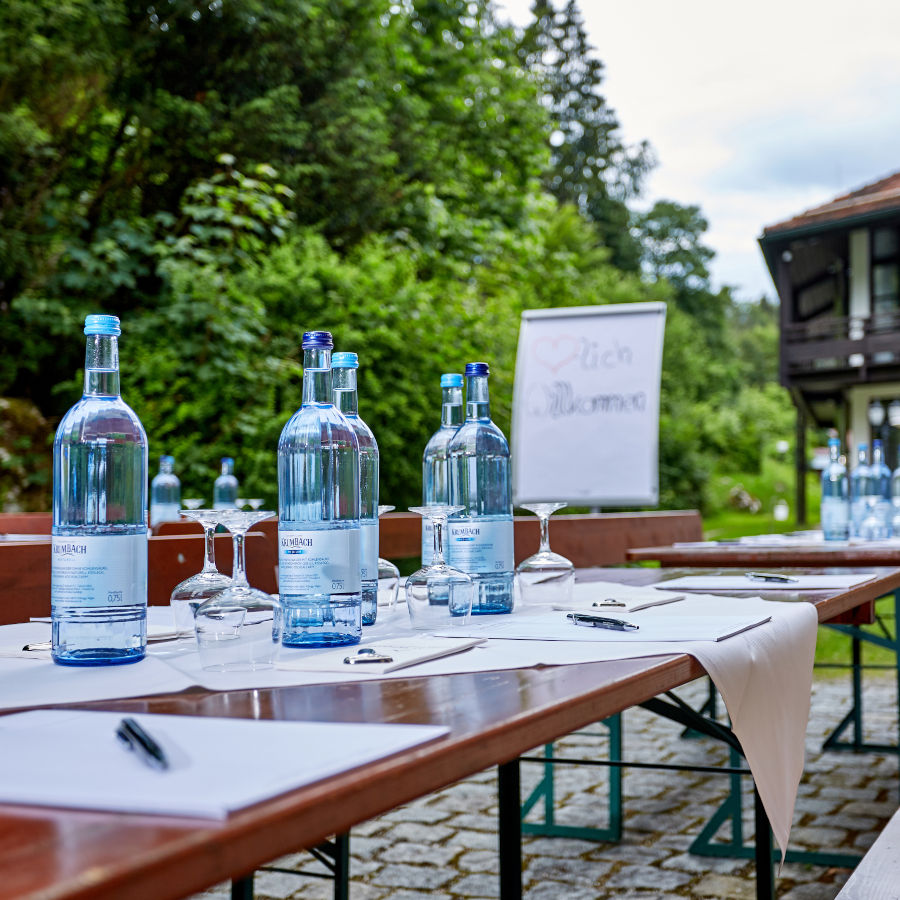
pixel 591 166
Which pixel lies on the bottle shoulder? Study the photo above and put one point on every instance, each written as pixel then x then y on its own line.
pixel 439 442
pixel 364 434
pixel 479 436
pixel 98 417
pixel 315 426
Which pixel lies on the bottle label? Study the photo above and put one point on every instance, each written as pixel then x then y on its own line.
pixel 369 551
pixel 98 570
pixel 481 548
pixel 325 561
pixel 428 541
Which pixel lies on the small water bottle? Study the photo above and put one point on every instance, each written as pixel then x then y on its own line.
pixel 344 392
pixel 480 538
pixel 435 473
pixel 98 588
pixel 225 489
pixel 835 511
pixel 880 491
pixel 859 488
pixel 165 493
pixel 318 513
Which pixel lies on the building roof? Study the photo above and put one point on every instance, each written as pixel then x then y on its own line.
pixel 879 196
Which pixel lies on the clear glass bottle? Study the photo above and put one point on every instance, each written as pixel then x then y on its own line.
pixel 318 513
pixel 835 509
pixel 480 538
pixel 346 399
pixel 165 493
pixel 859 487
pixel 879 494
pixel 895 502
pixel 435 474
pixel 225 488
pixel 98 587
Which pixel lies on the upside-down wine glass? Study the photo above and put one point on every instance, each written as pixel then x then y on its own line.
pixel 545 578
pixel 388 573
pixel 437 595
pixel 239 629
pixel 188 595
pixel 192 503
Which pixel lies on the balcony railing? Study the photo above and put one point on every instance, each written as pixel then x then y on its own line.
pixel 841 343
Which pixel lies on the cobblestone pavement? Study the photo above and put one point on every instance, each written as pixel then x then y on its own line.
pixel 444 846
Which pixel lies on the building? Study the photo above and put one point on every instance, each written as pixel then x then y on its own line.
pixel 836 268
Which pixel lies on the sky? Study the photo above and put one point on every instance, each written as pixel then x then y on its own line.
pixel 755 111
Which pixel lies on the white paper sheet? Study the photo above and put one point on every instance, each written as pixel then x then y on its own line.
pixel 593 596
pixel 402 651
pixel 740 582
pixel 657 627
pixel 216 765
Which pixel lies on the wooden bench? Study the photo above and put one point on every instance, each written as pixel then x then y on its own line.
pixel 877 877
pixel 26 523
pixel 588 540
pixel 25 570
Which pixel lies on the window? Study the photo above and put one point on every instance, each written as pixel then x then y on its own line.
pixel 885 270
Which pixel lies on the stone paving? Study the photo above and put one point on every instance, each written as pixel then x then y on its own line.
pixel 443 847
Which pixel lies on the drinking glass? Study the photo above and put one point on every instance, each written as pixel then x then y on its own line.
pixel 192 503
pixel 437 595
pixel 239 629
pixel 188 595
pixel 255 503
pixel 388 574
pixel 546 577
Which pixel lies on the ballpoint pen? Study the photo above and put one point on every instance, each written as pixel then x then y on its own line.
pixel 592 621
pixel 769 576
pixel 133 737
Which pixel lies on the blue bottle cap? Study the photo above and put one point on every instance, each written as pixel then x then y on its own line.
pixel 451 379
pixel 863 446
pixel 876 444
pixel 228 459
pixel 344 360
pixel 834 442
pixel 317 340
pixel 102 325
pixel 165 459
pixel 478 368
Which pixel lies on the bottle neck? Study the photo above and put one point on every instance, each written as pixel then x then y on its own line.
pixel 343 384
pixel 227 468
pixel 478 404
pixel 317 377
pixel 861 457
pixel 101 366
pixel 876 456
pixel 451 406
pixel 834 452
pixel 165 468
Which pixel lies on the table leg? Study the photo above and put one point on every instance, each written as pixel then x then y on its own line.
pixel 510 830
pixel 765 875
pixel 242 888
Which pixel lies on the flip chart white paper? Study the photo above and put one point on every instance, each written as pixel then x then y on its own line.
pixel 586 405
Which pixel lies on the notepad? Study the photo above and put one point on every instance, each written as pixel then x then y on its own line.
pixel 216 765
pixel 595 596
pixel 403 651
pixel 740 582
pixel 653 628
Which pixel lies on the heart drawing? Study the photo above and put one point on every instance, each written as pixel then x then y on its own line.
pixel 554 353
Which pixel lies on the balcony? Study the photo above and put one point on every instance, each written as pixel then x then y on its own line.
pixel 841 349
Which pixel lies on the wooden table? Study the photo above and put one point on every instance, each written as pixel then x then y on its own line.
pixel 727 554
pixel 493 718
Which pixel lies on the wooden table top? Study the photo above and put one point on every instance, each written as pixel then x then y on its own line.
pixel 752 555
pixel 493 718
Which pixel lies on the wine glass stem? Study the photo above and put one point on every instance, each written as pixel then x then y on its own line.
pixel 545 533
pixel 438 542
pixel 239 575
pixel 209 561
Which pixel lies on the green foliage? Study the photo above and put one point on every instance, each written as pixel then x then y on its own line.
pixel 224 176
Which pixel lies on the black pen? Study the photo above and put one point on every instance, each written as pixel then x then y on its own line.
pixel 133 737
pixel 769 576
pixel 591 621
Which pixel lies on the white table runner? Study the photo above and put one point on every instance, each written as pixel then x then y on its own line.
pixel 764 676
